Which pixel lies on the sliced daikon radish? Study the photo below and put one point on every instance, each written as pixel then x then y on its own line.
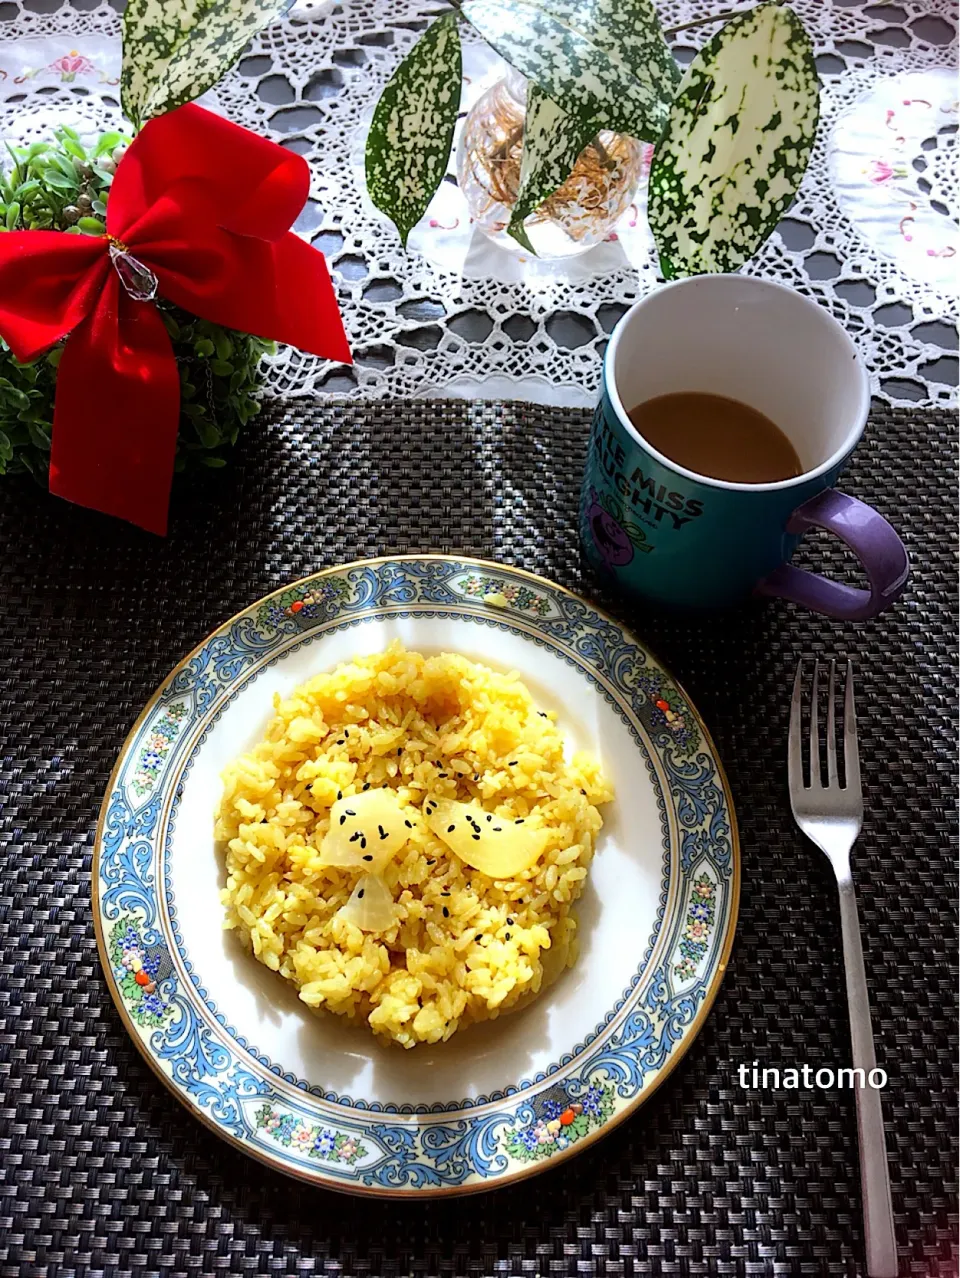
pixel 366 830
pixel 370 906
pixel 501 847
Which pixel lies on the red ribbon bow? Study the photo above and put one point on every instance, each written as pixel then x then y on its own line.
pixel 206 206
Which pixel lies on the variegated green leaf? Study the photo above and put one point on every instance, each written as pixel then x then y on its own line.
pixel 602 60
pixel 737 143
pixel 629 30
pixel 552 142
pixel 411 134
pixel 174 50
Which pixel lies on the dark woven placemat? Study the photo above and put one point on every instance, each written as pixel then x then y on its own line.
pixel 102 1172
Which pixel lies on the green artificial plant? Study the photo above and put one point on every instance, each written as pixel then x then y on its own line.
pixel 173 51
pixel 62 186
pixel 732 135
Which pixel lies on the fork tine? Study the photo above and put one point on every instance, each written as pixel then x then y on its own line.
pixel 795 746
pixel 816 776
pixel 832 779
pixel 851 753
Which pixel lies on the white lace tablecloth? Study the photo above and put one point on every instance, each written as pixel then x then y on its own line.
pixel 873 235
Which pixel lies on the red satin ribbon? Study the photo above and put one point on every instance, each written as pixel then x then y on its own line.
pixel 207 206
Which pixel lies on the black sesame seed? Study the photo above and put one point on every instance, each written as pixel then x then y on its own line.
pixel 430 861
pixel 339 794
pixel 399 751
pixel 498 829
pixel 343 820
pixel 382 832
pixel 446 912
pixel 583 791
pixel 510 921
pixel 508 936
pixel 360 894
pixel 489 817
pixel 512 763
pixel 450 829
pixel 368 857
pixel 349 813
pixel 445 893
pixel 340 740
pixel 363 842
pixel 476 837
pixel 519 821
pixel 354 836
pixel 408 824
pixel 366 785
pixel 443 775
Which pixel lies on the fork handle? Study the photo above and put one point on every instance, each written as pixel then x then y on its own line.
pixel 881 1243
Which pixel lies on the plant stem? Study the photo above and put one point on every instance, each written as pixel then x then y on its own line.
pixel 502 152
pixel 605 160
pixel 697 22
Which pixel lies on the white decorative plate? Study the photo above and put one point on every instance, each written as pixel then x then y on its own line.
pixel 325 1101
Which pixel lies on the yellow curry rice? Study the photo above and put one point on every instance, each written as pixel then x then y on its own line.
pixel 464 947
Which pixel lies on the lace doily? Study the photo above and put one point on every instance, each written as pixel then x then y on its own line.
pixel 457 316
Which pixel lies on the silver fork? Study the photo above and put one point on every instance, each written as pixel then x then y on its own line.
pixel 831 816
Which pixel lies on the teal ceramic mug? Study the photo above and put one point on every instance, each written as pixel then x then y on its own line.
pixel 669 535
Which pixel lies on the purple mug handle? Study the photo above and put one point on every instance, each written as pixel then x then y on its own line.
pixel 879 549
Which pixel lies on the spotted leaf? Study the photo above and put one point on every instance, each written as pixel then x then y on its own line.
pixel 408 146
pixel 598 60
pixel 174 50
pixel 552 142
pixel 736 145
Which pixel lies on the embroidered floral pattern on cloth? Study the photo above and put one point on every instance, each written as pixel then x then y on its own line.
pixel 893 161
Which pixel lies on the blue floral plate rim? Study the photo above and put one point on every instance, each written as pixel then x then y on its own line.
pixel 414 1157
